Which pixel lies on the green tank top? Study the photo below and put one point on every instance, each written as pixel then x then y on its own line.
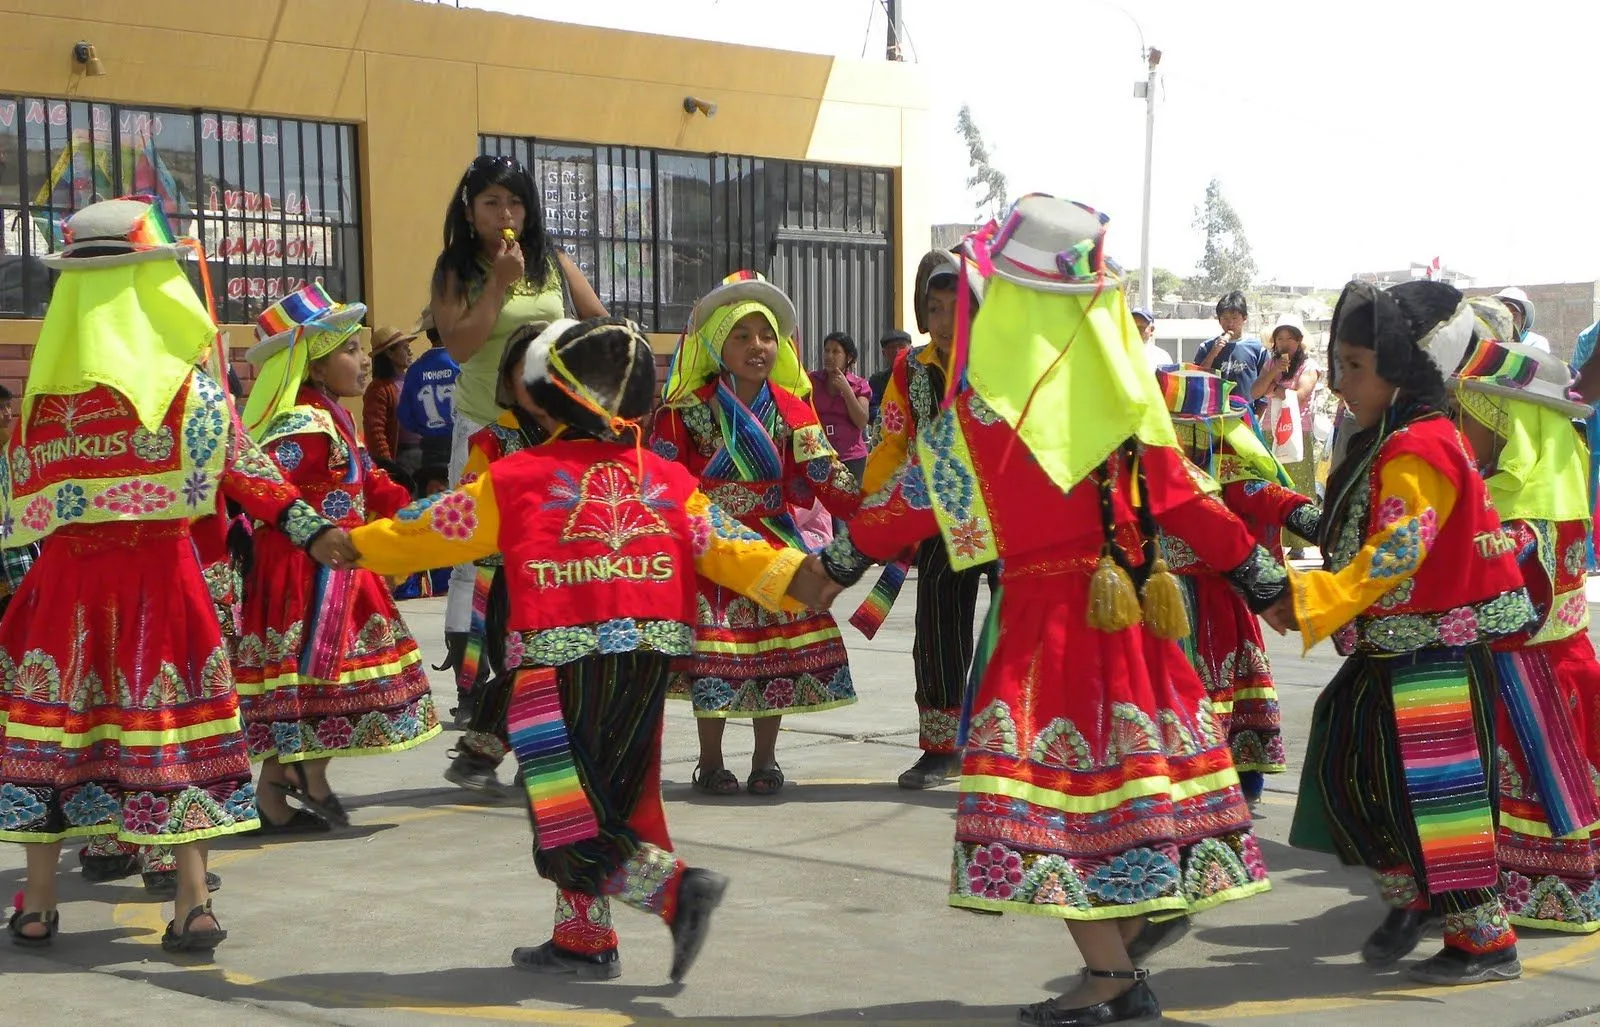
pixel 474 395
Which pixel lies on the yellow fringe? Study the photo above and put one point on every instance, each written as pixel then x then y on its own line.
pixel 1113 602
pixel 1164 613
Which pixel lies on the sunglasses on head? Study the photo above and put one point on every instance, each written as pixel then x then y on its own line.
pixel 488 161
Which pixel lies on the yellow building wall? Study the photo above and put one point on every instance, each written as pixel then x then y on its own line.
pixel 424 80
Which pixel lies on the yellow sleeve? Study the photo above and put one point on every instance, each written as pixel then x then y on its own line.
pixel 1414 501
pixel 477 463
pixel 438 531
pixel 735 557
pixel 894 416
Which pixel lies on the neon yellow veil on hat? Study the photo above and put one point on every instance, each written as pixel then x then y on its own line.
pixel 122 314
pixel 304 326
pixel 1520 394
pixel 1053 349
pixel 698 359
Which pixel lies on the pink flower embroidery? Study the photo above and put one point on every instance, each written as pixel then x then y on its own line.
pixel 1459 627
pixel 516 648
pixel 1345 638
pixel 334 733
pixel 144 814
pixel 1574 610
pixel 1518 891
pixel 700 534
pixel 779 693
pixel 37 515
pixel 467 478
pixel 995 872
pixel 894 418
pixel 455 517
pixel 1427 528
pixel 1390 510
pixel 136 497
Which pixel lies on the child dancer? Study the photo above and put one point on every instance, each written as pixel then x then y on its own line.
pixel 486 660
pixel 1096 784
pixel 736 416
pixel 1421 577
pixel 602 540
pixel 118 711
pixel 326 666
pixel 1517 417
pixel 1226 647
pixel 947 599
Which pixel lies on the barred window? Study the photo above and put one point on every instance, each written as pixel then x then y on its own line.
pixel 273 200
pixel 655 230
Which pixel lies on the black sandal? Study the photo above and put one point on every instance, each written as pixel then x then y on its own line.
pixel 191 940
pixel 51 919
pixel 329 808
pixel 766 781
pixel 721 782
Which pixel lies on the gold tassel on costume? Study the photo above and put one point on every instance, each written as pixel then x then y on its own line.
pixel 1113 602
pixel 1164 613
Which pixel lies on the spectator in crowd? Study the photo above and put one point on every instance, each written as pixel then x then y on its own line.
pixel 380 425
pixel 890 347
pixel 427 398
pixel 1296 382
pixel 1522 317
pixel 842 397
pixel 1145 320
pixel 1236 357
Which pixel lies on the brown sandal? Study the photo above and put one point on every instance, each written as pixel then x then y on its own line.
pixel 766 781
pixel 720 782
pixel 50 918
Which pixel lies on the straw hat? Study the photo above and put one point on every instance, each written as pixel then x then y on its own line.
pixel 386 338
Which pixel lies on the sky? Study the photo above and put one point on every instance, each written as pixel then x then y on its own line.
pixel 1350 136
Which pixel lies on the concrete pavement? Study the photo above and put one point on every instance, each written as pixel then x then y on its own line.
pixel 836 913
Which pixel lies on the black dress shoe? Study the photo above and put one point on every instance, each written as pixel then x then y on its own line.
pixel 551 959
pixel 1153 937
pixel 1457 966
pixel 931 770
pixel 1394 939
pixel 699 893
pixel 1137 1004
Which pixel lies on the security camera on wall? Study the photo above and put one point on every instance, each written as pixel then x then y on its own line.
pixel 691 104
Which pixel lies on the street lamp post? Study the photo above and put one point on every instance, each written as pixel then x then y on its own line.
pixel 1147 90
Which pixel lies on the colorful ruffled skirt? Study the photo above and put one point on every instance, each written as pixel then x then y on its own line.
pixel 118 714
pixel 1096 781
pixel 1226 649
pixel 1549 882
pixel 375 700
pixel 750 662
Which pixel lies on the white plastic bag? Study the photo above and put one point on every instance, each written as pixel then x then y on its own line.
pixel 1288 441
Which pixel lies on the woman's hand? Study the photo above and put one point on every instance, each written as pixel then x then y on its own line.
pixel 838 384
pixel 509 267
pixel 334 549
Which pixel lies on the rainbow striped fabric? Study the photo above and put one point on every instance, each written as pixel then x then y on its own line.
pixel 311 303
pixel 874 610
pixel 1532 701
pixel 1192 394
pixel 1490 361
pixel 477 633
pixel 1444 775
pixel 562 813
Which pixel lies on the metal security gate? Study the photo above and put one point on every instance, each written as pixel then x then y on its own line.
pixel 839 282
